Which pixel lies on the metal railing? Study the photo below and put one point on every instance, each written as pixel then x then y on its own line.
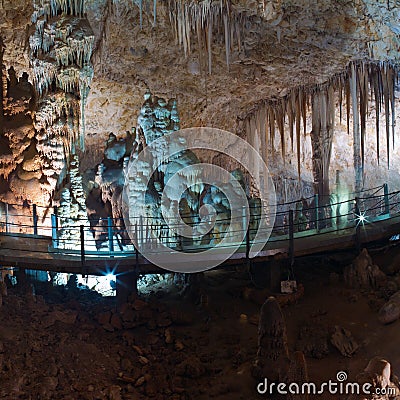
pixel 108 237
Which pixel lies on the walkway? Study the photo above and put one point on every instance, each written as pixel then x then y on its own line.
pixel 301 228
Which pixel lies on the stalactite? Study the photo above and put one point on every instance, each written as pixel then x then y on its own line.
pixel 280 120
pixel 141 13
pixel 316 143
pixel 61 48
pixel 391 83
pixel 386 102
pixel 227 40
pixel 374 82
pixel 297 121
pixel 358 85
pixel 207 20
pixel 290 113
pixel 209 37
pixel 363 104
pixel 356 128
pixel 348 104
pixel 263 133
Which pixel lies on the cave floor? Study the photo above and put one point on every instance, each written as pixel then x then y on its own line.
pixel 197 344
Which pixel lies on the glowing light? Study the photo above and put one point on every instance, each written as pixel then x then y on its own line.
pixel 110 276
pixel 361 219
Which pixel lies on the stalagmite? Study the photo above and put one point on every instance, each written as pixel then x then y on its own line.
pixel 380 379
pixel 72 208
pixel 273 356
pixel 298 373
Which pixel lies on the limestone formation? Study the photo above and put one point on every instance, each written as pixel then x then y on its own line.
pixel 72 210
pixel 390 311
pixel 44 122
pixel 60 51
pixel 267 61
pixel 3 288
pixel 105 198
pixel 298 373
pixel 363 273
pixel 163 201
pixel 378 374
pixel 272 360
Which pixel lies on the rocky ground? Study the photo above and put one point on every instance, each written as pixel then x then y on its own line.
pixel 196 343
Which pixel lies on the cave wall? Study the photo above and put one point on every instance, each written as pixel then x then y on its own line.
pixel 284 44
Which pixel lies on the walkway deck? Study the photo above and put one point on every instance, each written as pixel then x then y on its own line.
pixel 33 251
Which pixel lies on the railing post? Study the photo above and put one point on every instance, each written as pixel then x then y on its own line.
pixel 35 219
pixel 55 208
pixel 82 236
pixel 110 234
pixel 55 211
pixel 245 227
pixel 357 216
pixel 386 198
pixel 137 245
pixel 141 233
pixel 316 197
pixel 54 230
pixel 7 228
pixel 291 237
pixel 248 243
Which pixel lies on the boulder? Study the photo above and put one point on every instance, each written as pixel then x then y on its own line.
pixel 389 313
pixel 343 340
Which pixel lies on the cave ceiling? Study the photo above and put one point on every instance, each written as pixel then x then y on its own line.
pixel 273 47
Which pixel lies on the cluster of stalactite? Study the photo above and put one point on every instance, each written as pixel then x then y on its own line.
pixel 51 8
pixel 206 20
pixel 2 86
pixel 61 47
pixel 361 85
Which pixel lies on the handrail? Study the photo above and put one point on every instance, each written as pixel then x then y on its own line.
pixel 319 219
